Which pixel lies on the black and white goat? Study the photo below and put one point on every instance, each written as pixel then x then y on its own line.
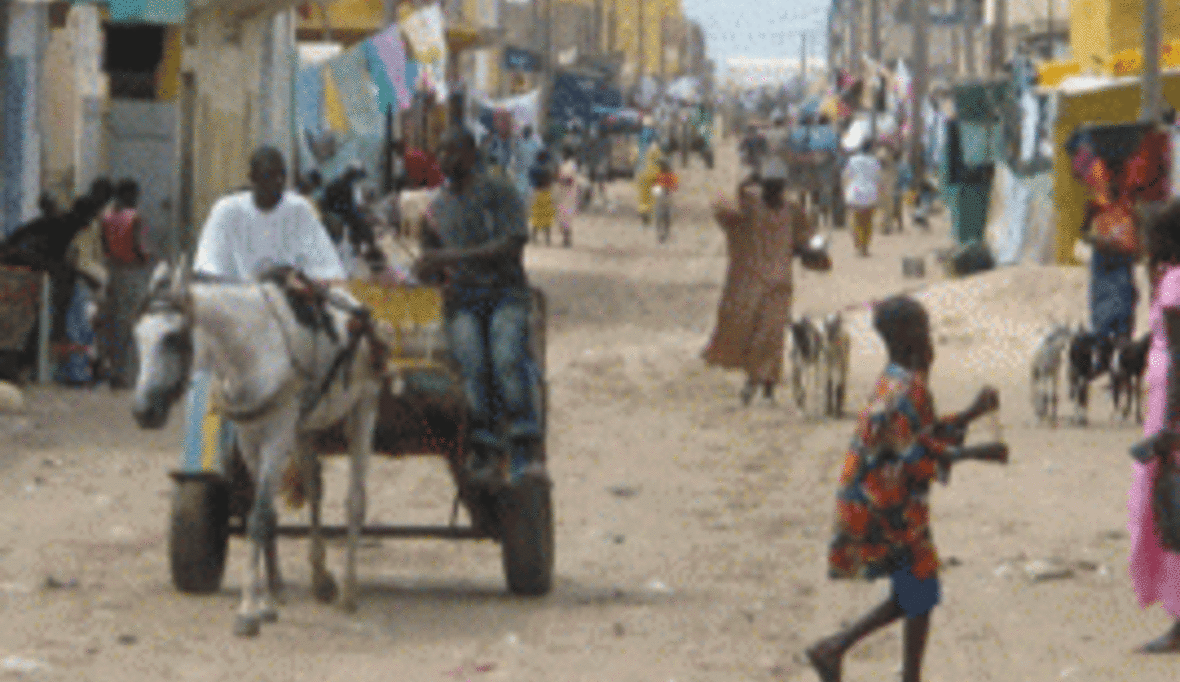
pixel 1089 358
pixel 1046 372
pixel 837 352
pixel 807 344
pixel 1126 376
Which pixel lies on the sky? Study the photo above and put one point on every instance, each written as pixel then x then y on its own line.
pixel 759 28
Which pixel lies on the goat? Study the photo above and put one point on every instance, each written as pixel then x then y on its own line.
pixel 807 343
pixel 1126 375
pixel 837 351
pixel 1089 358
pixel 1046 372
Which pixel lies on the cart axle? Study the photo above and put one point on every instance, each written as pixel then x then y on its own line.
pixel 446 532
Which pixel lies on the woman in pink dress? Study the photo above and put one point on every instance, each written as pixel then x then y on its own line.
pixel 1155 572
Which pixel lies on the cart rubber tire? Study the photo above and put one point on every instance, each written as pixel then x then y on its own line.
pixel 526 525
pixel 199 536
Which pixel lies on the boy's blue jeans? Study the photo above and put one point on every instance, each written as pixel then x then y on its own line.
pixel 488 330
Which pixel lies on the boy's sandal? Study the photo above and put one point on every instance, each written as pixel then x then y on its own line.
pixel 828 671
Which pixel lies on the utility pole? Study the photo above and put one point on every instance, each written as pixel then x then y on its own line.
pixel 1050 52
pixel 1152 93
pixel 5 10
pixel 970 21
pixel 999 37
pixel 803 63
pixel 642 46
pixel 854 49
pixel 547 66
pixel 610 30
pixel 598 8
pixel 875 52
pixel 663 46
pixel 921 20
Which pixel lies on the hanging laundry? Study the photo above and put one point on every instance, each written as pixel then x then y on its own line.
pixel 413 76
pixel 386 97
pixel 1145 174
pixel 351 76
pixel 334 114
pixel 391 51
pixel 426 37
pixel 309 91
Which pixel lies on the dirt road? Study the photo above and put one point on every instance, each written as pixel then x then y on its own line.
pixel 690 532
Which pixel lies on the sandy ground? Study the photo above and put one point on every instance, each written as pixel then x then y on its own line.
pixel 708 566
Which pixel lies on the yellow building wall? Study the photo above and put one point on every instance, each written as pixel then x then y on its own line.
pixel 347 15
pixel 1110 106
pixel 226 122
pixel 1102 28
pixel 627 15
pixel 1089 36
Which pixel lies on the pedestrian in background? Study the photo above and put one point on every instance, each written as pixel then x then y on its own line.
pixel 862 190
pixel 567 194
pixel 129 259
pixel 543 212
pixel 763 234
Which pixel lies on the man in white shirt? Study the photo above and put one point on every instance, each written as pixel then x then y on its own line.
pixel 862 190
pixel 246 233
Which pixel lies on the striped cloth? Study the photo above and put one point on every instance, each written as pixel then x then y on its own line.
pixel 350 74
pixel 391 55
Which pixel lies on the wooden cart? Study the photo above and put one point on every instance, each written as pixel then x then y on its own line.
pixel 422 412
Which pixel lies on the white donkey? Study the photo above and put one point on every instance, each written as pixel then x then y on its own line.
pixel 277 381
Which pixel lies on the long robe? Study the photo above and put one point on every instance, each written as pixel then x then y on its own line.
pixel 756 300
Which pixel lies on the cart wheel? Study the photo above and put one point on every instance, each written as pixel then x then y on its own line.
pixel 199 535
pixel 526 525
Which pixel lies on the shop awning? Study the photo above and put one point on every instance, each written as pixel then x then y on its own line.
pixel 142 11
pixel 176 11
pixel 462 37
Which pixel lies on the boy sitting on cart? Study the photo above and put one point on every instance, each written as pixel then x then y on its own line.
pixel 473 239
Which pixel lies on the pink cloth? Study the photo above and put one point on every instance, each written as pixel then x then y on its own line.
pixel 1155 572
pixel 392 51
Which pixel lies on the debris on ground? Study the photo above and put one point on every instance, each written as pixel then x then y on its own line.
pixel 1047 569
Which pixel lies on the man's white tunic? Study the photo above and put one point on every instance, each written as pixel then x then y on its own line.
pixel 239 241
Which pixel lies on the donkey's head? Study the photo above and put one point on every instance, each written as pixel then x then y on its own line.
pixel 164 339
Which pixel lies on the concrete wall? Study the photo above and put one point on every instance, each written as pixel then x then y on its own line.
pixel 28 35
pixel 59 96
pixel 239 105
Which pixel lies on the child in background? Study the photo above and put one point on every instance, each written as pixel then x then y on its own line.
pixel 666 177
pixel 544 211
pixel 567 195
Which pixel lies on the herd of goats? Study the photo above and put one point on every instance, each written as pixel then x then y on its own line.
pixel 820 352
pixel 1089 356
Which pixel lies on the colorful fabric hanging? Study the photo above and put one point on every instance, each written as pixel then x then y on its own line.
pixel 386 97
pixel 351 76
pixel 334 114
pixel 391 52
pixel 425 33
pixel 309 91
